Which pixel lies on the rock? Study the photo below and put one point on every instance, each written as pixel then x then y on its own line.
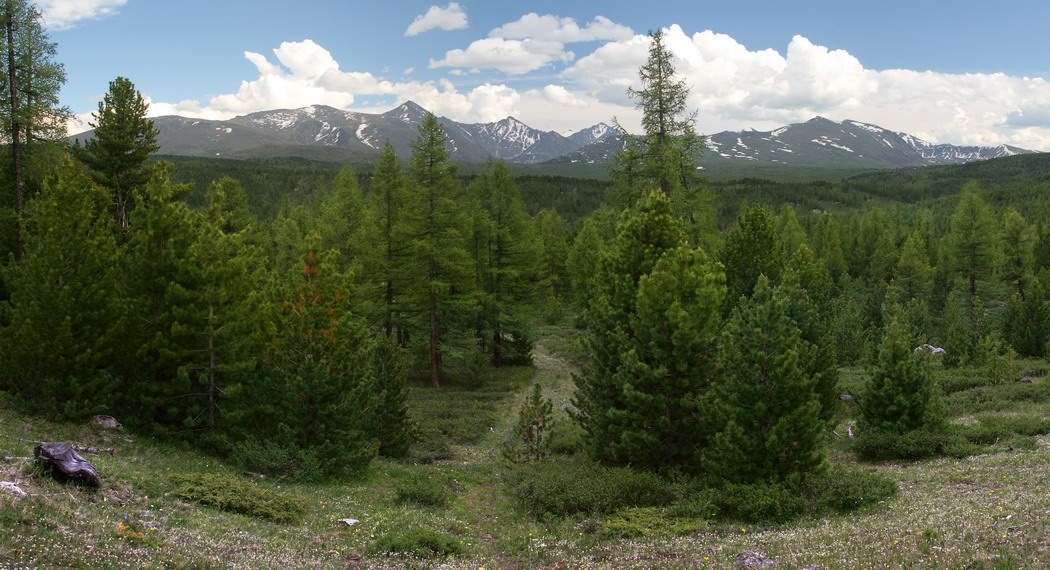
pixel 63 458
pixel 11 488
pixel 752 559
pixel 108 422
pixel 1025 380
pixel 349 522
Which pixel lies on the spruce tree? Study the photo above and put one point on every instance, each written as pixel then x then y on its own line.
pixel 767 399
pixel 124 138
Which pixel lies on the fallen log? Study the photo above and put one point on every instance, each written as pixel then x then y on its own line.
pixel 61 457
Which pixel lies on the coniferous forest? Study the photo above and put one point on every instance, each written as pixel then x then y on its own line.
pixel 637 369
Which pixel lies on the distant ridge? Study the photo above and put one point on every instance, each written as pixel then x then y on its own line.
pixel 817 142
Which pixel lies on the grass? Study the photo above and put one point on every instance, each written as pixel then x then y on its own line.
pixel 985 511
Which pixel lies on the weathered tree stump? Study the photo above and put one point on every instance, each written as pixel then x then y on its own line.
pixel 62 458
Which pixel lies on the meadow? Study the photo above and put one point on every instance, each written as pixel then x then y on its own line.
pixel 452 504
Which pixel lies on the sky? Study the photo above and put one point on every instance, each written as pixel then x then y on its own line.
pixel 962 72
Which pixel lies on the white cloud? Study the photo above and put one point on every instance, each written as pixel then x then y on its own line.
pixel 63 14
pixel 515 57
pixel 564 30
pixel 732 87
pixel 451 17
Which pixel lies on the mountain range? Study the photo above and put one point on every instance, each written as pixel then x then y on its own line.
pixel 314 129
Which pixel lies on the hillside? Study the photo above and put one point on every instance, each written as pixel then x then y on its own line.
pixel 325 133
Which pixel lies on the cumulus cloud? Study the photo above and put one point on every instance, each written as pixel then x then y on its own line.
pixel 63 14
pixel 451 17
pixel 515 57
pixel 732 87
pixel 564 30
pixel 530 43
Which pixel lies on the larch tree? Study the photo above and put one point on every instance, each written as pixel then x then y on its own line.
pixel 385 274
pixel 505 250
pixel 438 242
pixel 971 242
pixel 29 107
pixel 124 138
pixel 664 157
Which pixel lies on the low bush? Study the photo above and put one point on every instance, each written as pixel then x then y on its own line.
pixel 759 503
pixel 424 491
pixel 843 489
pixel 566 486
pixel 275 459
pixel 649 522
pixel 879 445
pixel 416 541
pixel 228 493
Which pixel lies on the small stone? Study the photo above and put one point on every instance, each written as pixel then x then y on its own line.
pixel 349 522
pixel 752 559
pixel 108 422
pixel 9 487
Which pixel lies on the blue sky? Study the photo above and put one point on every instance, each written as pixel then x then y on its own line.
pixel 963 72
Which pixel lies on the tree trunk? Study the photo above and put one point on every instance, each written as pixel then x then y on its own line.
pixel 16 127
pixel 434 377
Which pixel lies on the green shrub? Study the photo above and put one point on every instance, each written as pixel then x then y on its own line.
pixel 425 491
pixel 759 503
pixel 531 438
pixel 844 489
pixel 416 541
pixel 272 458
pixel 959 380
pixel 649 522
pixel 228 493
pixel 567 486
pixel 883 445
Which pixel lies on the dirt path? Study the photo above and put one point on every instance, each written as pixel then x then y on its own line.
pixel 554 373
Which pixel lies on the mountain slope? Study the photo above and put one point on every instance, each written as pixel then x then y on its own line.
pixel 818 142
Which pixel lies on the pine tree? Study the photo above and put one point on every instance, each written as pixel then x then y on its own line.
pixel 767 401
pixel 751 248
pixel 218 277
pixel 124 138
pixel 913 274
pixel 438 241
pixel 900 396
pixel 1025 320
pixel 30 110
pixel 65 319
pixel 315 393
pixel 644 234
pixel 1019 241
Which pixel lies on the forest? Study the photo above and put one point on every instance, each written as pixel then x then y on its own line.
pixel 643 357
